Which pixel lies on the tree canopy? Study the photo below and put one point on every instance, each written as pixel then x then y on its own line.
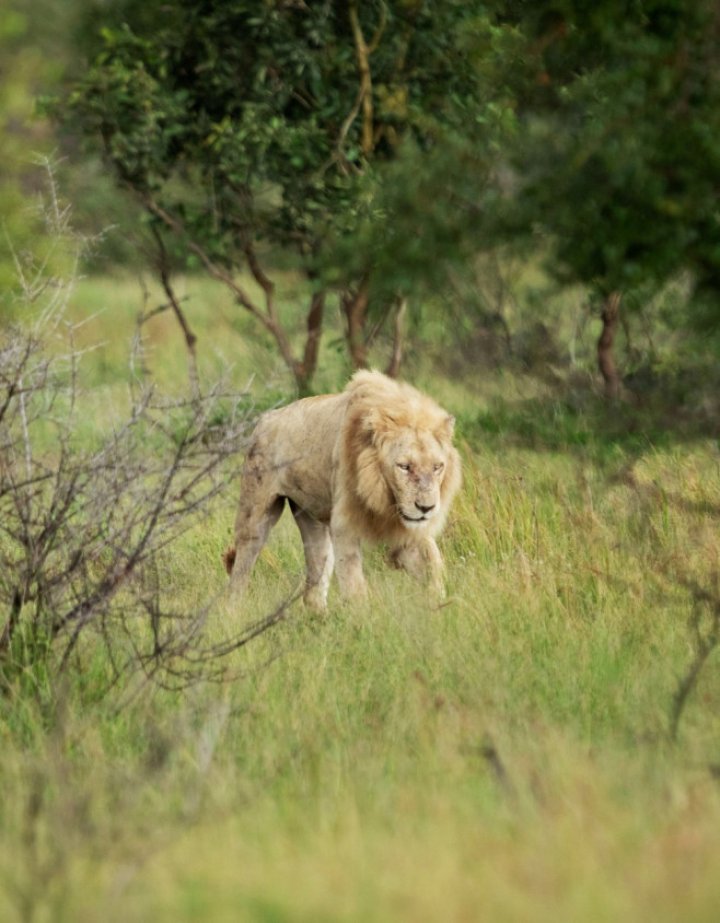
pixel 240 124
pixel 382 141
pixel 620 157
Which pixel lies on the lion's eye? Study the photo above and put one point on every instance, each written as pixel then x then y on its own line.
pixel 438 467
pixel 403 466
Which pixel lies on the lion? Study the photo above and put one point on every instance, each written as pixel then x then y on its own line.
pixel 374 462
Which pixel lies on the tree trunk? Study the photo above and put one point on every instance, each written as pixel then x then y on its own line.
pixel 190 337
pixel 393 366
pixel 355 305
pixel 305 369
pixel 163 263
pixel 606 360
pixel 12 623
pixel 301 369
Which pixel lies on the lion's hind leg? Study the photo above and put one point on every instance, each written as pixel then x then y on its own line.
pixel 252 527
pixel 319 558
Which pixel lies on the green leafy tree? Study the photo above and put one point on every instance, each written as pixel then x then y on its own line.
pixel 618 152
pixel 243 127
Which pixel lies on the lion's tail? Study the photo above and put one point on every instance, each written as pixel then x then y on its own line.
pixel 229 559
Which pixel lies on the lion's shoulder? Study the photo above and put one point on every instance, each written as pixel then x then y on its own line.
pixel 299 439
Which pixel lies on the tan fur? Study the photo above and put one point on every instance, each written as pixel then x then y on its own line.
pixel 374 462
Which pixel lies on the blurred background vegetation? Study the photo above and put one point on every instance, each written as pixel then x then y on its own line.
pixel 514 205
pixel 535 183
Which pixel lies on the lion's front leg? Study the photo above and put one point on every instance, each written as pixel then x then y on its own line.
pixel 423 561
pixel 348 558
pixel 319 558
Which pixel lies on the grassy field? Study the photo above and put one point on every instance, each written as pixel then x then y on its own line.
pixel 516 754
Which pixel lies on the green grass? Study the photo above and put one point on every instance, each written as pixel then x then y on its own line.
pixel 504 757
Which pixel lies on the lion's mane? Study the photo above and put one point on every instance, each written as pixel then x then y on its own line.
pixel 380 409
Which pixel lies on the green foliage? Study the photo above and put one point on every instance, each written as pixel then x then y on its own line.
pixel 619 154
pixel 244 128
pixel 438 203
pixel 256 108
pixel 425 202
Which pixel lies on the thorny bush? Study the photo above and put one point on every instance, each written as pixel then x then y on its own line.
pixel 87 514
pixel 83 521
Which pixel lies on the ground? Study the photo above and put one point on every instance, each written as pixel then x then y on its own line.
pixel 508 755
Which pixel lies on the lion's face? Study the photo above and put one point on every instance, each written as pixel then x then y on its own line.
pixel 400 465
pixel 413 465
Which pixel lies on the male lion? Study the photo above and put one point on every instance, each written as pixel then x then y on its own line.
pixel 374 462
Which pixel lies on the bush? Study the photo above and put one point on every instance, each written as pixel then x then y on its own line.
pixel 84 518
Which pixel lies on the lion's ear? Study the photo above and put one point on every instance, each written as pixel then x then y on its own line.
pixel 446 429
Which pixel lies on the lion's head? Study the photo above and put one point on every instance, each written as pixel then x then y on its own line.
pixel 398 446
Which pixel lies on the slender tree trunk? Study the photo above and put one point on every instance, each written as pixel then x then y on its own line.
pixel 363 58
pixel 174 303
pixel 606 360
pixel 355 305
pixel 305 370
pixel 363 52
pixel 393 366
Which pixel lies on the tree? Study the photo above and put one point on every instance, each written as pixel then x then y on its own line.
pixel 243 126
pixel 618 151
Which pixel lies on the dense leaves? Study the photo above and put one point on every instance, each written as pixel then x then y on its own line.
pixel 620 158
pixel 269 114
pixel 382 142
pixel 306 127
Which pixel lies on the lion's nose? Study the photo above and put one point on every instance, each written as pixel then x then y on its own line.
pixel 425 509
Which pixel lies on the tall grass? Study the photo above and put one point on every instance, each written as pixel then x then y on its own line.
pixel 506 756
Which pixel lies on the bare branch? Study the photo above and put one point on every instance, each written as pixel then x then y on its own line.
pixel 268 318
pixel 216 271
pixel 84 529
pixel 190 337
pixel 363 53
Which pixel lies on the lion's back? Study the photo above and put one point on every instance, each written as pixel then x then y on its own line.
pixel 307 427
